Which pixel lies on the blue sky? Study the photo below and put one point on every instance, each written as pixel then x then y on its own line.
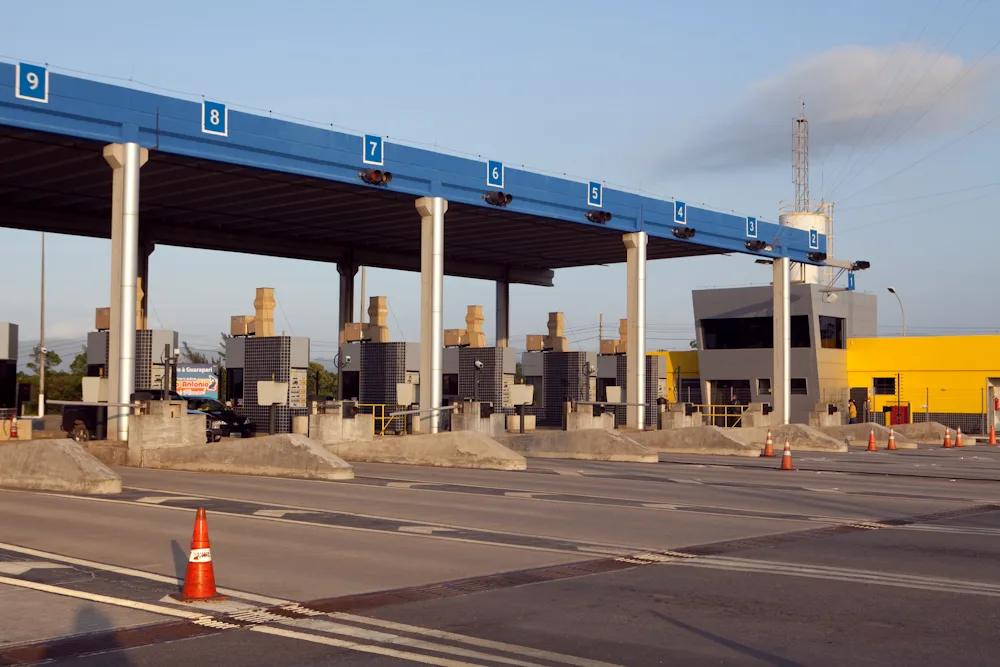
pixel 687 100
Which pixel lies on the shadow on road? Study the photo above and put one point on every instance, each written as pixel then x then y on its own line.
pixel 768 658
pixel 91 620
pixel 180 562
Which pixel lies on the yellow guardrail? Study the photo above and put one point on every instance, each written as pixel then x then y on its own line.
pixel 730 415
pixel 381 419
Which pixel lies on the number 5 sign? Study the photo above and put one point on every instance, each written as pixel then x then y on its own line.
pixel 32 83
pixel 214 118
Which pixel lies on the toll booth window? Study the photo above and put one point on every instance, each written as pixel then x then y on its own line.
pixel 764 386
pixel 749 333
pixel 799 387
pixel 831 332
pixel 884 386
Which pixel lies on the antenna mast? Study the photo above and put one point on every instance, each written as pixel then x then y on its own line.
pixel 800 162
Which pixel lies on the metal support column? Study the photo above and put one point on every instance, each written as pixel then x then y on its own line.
pixel 635 355
pixel 126 160
pixel 347 271
pixel 782 382
pixel 503 313
pixel 432 210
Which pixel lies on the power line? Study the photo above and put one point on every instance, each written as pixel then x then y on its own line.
pixel 925 157
pixel 908 199
pixel 844 170
pixel 926 210
pixel 926 111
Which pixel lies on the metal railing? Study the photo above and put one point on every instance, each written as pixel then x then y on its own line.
pixel 404 413
pixel 725 415
pixel 380 420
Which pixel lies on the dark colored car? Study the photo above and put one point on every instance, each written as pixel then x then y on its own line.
pixel 221 418
pixel 212 432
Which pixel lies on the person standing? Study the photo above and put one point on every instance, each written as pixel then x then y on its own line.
pixel 852 411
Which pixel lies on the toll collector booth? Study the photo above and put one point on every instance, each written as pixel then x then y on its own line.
pixel 145 169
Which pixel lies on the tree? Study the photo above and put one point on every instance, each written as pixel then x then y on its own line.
pixel 694 345
pixel 79 366
pixel 519 373
pixel 327 381
pixel 193 356
pixel 52 360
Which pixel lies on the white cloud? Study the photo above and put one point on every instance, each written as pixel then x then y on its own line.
pixel 845 89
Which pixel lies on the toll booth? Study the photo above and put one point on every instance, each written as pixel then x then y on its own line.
pixel 154 356
pixel 8 370
pixel 250 359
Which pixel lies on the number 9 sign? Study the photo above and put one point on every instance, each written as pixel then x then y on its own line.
pixel 32 83
pixel 214 118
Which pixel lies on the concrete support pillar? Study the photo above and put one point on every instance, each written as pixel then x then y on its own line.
pixel 126 160
pixel 347 271
pixel 432 210
pixel 635 251
pixel 503 313
pixel 781 385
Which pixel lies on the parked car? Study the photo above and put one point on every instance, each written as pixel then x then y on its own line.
pixel 213 432
pixel 222 418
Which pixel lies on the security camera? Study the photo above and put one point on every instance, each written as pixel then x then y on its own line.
pixel 347 359
pixel 479 364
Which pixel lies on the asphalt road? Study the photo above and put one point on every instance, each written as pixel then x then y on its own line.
pixel 853 559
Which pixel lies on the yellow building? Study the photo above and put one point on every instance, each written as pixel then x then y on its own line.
pixel 682 374
pixel 939 375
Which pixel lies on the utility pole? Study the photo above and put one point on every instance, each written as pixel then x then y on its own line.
pixel 600 331
pixel 43 358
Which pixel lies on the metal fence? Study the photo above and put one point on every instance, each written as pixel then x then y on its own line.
pixel 965 408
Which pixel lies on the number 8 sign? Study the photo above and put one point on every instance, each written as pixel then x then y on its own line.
pixel 214 118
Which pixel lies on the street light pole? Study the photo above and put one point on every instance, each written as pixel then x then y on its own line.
pixel 892 290
pixel 43 356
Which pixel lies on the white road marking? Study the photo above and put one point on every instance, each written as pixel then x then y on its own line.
pixel 867 577
pixel 687 481
pixel 399 640
pixel 465 540
pixel 659 506
pixel 401 485
pixel 956 530
pixel 129 572
pixel 16 568
pixel 424 530
pixel 520 494
pixel 106 599
pixel 475 641
pixel 156 500
pixel 277 514
pixel 259 617
pixel 365 648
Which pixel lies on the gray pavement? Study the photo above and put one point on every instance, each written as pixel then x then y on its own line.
pixel 696 561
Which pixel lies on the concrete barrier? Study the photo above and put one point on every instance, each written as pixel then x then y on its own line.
pixel 590 445
pixel 801 438
pixel 453 449
pixel 334 427
pixel 695 440
pixel 930 433
pixel 55 465
pixel 109 452
pixel 285 455
pixel 856 435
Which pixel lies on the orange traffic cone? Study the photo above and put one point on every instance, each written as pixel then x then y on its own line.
pixel 947 438
pixel 958 439
pixel 872 447
pixel 786 457
pixel 768 445
pixel 892 440
pixel 993 435
pixel 199 580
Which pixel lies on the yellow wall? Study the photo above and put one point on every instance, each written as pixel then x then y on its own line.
pixel 688 362
pixel 951 372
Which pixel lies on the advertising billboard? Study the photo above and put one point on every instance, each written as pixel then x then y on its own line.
pixel 197 381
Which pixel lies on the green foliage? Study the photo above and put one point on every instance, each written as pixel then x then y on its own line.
pixel 327 380
pixel 59 385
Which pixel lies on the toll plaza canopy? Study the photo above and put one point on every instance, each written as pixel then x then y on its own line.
pixel 226 180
